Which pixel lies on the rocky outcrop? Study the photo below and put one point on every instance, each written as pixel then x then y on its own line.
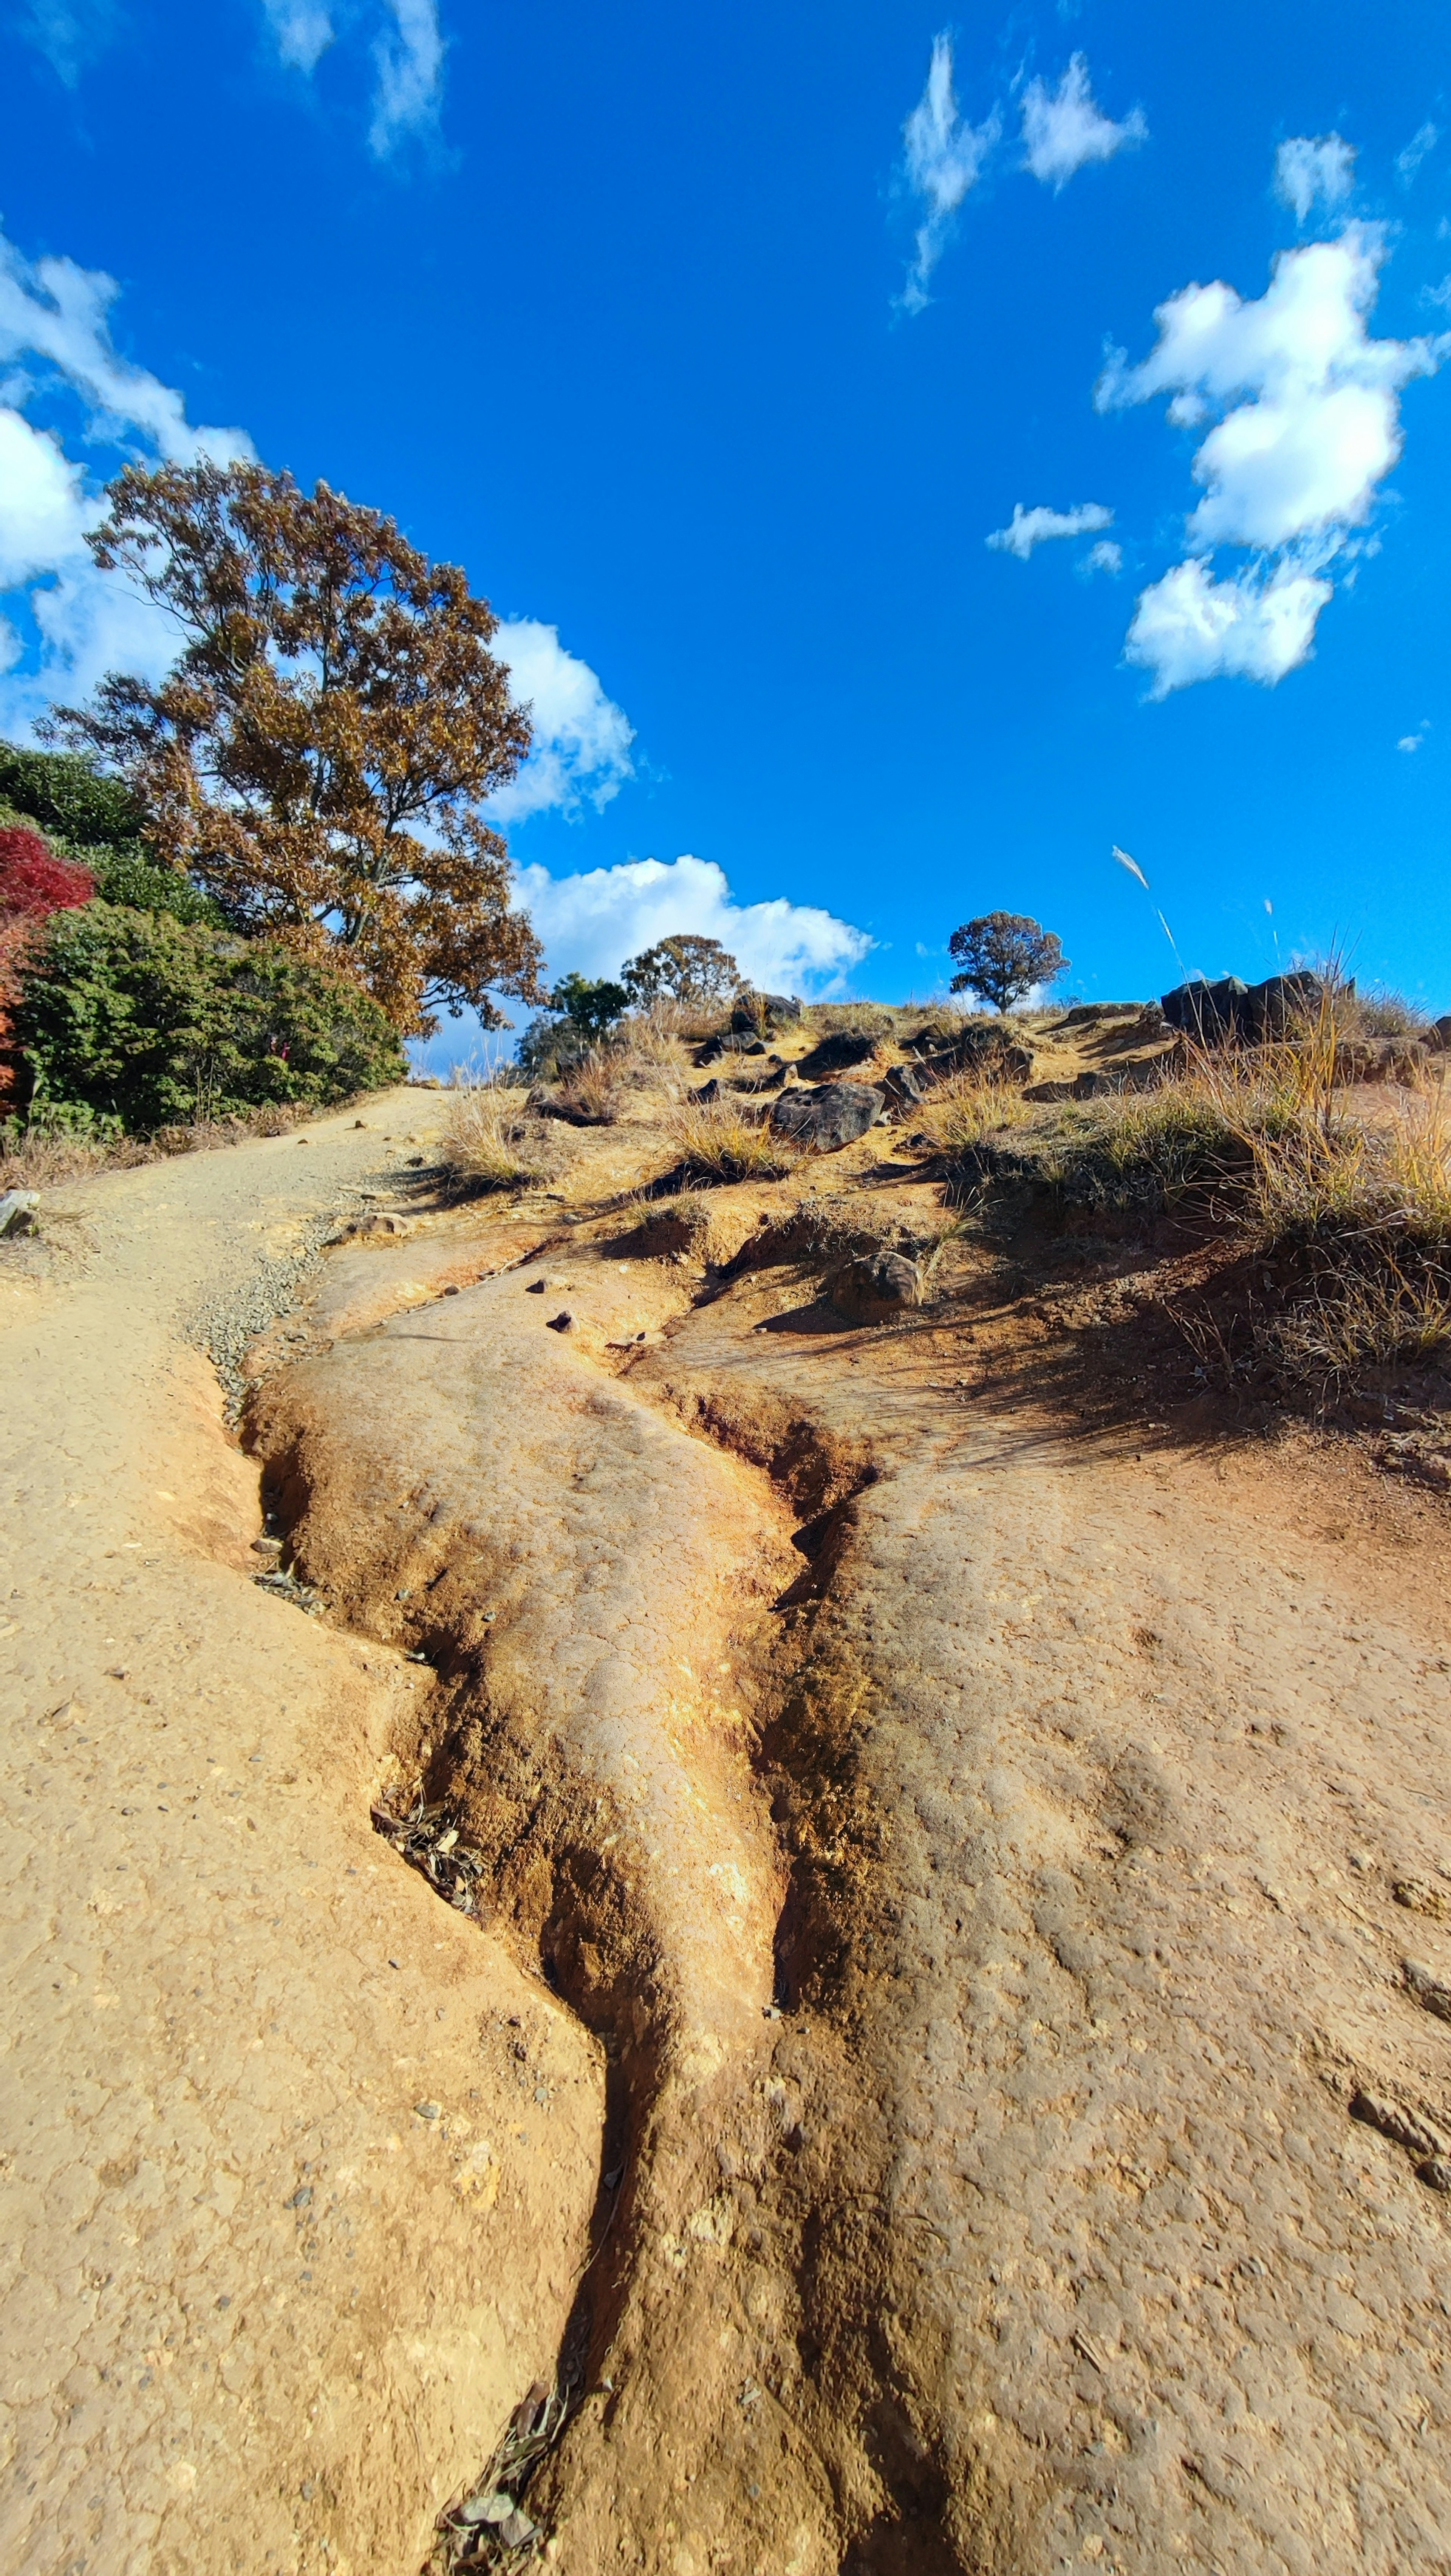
pixel 828 1116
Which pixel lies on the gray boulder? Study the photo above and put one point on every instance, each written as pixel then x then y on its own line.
pixel 828 1116
pixel 878 1285
pixel 1439 1033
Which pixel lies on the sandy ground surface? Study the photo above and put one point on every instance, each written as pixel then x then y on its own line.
pixel 260 2312
pixel 948 1878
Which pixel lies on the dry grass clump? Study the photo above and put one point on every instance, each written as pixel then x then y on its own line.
pixel 722 1141
pixel 592 1089
pixel 856 1019
pixel 1364 1213
pixel 66 1148
pixel 490 1141
pixel 32 1156
pixel 961 1113
pixel 1379 1013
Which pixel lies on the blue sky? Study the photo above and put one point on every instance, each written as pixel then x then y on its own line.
pixel 718 347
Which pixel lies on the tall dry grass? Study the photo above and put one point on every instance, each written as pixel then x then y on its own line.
pixel 721 1141
pixel 490 1141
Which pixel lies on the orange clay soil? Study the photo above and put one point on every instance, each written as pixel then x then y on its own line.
pixel 917 1864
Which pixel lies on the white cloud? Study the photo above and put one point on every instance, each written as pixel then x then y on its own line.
pixel 58 312
pixel 1314 172
pixel 409 65
pixel 1191 627
pixel 944 158
pixel 1063 129
pixel 581 738
pixel 303 30
pixel 85 622
pixel 1029 528
pixel 591 923
pixel 1413 741
pixel 42 511
pixel 1424 140
pixel 1305 455
pixel 1106 556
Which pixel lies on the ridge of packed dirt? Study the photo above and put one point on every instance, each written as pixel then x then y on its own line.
pixel 926 1857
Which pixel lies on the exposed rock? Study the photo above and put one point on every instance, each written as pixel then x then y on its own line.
pixel 902 1084
pixel 876 1285
pixel 1218 1013
pixel 829 1116
pixel 835 1053
pixel 1209 1012
pixel 17 1212
pixel 1439 1032
pixel 708 1092
pixel 761 1013
pixel 991 1050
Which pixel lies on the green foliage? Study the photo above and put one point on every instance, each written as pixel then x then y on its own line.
pixel 683 968
pixel 128 875
pixel 1003 955
pixel 592 1007
pixel 95 822
pixel 140 1017
pixel 67 796
pixel 550 1047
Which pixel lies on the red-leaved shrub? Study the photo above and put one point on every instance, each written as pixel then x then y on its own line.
pixel 34 883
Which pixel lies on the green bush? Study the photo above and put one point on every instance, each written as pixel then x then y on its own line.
pixel 139 1016
pixel 93 821
pixel 68 797
pixel 128 875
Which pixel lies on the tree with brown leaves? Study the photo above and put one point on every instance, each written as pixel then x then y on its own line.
pixel 318 755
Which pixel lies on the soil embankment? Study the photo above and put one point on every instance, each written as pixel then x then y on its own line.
pixel 939 1878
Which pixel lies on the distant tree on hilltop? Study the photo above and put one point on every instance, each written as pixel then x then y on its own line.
pixel 1003 955
pixel 682 968
pixel 318 756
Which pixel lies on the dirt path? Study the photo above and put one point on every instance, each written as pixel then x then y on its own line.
pixel 259 2312
pixel 948 1877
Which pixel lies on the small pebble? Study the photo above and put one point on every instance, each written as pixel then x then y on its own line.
pixel 561 1323
pixel 426 2110
pixel 450 1292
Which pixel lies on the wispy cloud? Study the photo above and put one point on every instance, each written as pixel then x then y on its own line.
pixel 943 160
pixel 944 156
pixel 1408 162
pixel 70 33
pixel 1288 472
pixel 303 30
pixel 58 312
pixel 1029 528
pixel 409 61
pixel 1064 129
pixel 55 335
pixel 1310 172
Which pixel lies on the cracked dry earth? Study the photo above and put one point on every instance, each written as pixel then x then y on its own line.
pixel 939 1884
